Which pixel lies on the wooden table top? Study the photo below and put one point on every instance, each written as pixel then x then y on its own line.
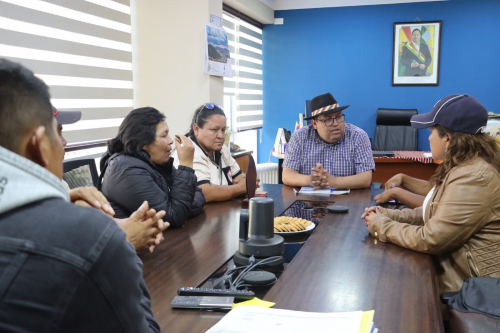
pixel 340 268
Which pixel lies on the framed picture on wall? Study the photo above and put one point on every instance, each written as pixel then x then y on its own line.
pixel 415 54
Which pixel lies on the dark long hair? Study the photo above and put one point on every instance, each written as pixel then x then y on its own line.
pixel 201 116
pixel 463 148
pixel 137 130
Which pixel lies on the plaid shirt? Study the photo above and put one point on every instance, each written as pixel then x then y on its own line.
pixel 349 156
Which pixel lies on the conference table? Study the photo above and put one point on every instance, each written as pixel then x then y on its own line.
pixel 339 268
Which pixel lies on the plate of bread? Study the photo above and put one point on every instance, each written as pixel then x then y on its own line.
pixel 285 225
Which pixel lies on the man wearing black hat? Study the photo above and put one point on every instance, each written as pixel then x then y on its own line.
pixel 329 152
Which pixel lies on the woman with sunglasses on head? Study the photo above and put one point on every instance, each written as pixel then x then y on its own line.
pixel 459 222
pixel 138 167
pixel 219 176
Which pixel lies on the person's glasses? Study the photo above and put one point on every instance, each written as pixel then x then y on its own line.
pixel 329 121
pixel 212 105
pixel 209 106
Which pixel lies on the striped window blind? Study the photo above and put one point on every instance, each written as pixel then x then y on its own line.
pixel 245 46
pixel 82 49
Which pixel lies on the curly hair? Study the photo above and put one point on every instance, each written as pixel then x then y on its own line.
pixel 463 148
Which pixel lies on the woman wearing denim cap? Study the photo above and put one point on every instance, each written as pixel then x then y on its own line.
pixel 459 222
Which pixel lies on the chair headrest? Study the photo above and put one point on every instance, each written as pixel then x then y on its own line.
pixel 395 117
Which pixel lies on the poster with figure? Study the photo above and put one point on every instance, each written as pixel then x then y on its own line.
pixel 416 50
pixel 217 57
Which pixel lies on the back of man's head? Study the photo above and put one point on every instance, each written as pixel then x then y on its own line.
pixel 24 104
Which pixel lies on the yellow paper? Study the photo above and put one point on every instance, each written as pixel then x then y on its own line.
pixel 255 302
pixel 366 321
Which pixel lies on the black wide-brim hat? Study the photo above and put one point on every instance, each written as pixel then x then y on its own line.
pixel 324 104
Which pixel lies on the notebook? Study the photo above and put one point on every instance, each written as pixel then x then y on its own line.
pixel 307 190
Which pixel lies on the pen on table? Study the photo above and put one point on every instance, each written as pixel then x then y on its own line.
pixel 295 191
pixel 178 139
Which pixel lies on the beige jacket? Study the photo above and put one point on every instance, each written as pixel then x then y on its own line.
pixel 461 226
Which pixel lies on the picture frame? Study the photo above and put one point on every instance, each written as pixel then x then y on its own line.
pixel 416 53
pixel 217 59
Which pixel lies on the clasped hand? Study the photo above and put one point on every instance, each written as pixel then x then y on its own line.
pixel 416 64
pixel 144 228
pixel 319 177
pixel 371 212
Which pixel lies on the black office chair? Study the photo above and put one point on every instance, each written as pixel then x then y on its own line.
pixel 80 173
pixel 308 111
pixel 394 131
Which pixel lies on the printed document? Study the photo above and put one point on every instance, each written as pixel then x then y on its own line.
pixel 248 319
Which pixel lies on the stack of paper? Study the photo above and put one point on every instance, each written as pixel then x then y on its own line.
pixel 248 319
pixel 309 191
pixel 306 190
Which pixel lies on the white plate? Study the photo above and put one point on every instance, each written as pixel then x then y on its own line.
pixel 308 228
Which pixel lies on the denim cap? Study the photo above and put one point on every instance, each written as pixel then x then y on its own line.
pixel 66 117
pixel 459 113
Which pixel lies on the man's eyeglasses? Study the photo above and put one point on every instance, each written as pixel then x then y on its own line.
pixel 329 121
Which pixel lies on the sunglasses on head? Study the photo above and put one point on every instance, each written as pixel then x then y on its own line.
pixel 212 105
pixel 209 106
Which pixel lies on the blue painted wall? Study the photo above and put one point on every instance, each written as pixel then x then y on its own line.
pixel 348 51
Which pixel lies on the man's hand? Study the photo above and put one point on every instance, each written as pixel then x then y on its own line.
pixel 186 152
pixel 319 177
pixel 144 227
pixel 91 197
pixel 422 66
pixel 414 64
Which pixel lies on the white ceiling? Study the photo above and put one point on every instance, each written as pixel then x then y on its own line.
pixel 303 4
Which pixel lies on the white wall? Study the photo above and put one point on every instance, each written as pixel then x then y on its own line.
pixel 169 58
pixel 256 9
pixel 168 39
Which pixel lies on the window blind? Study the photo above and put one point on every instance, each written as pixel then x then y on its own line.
pixel 82 49
pixel 245 46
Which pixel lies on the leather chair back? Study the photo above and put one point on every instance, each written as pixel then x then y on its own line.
pixel 80 173
pixel 394 131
